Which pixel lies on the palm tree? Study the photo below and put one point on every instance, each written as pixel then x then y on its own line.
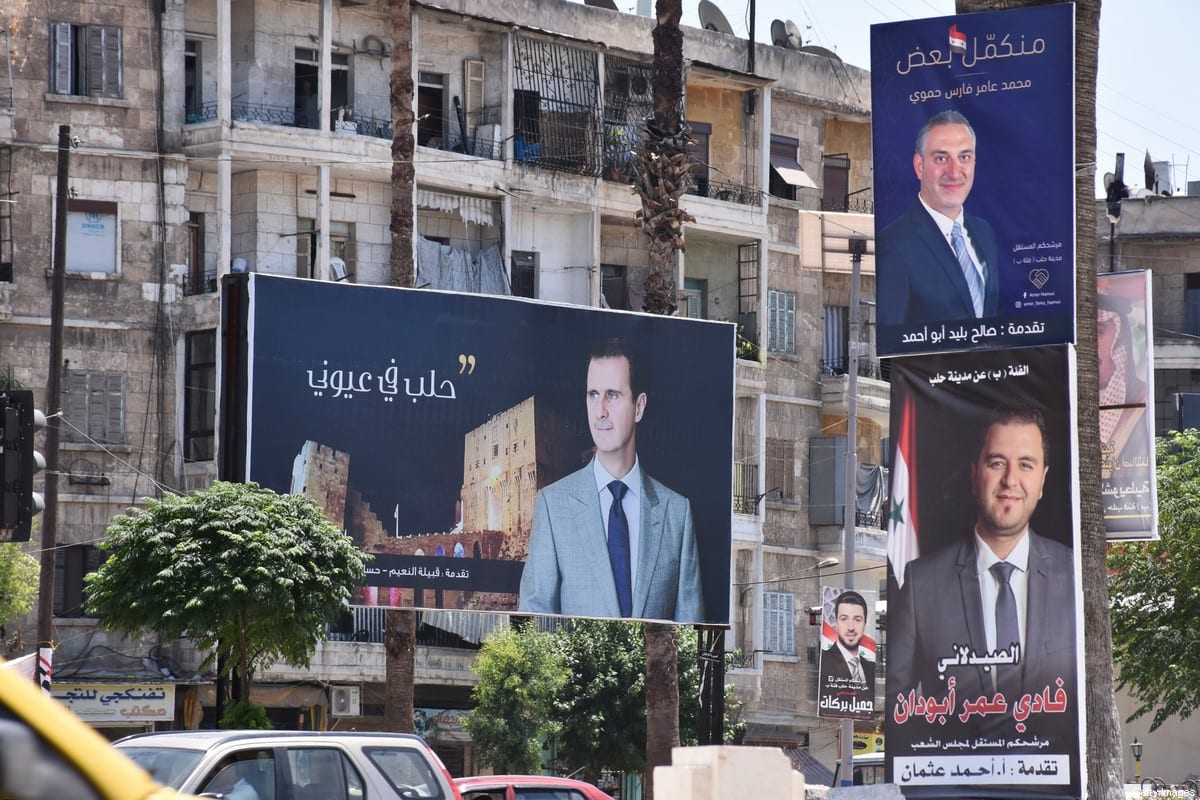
pixel 1102 726
pixel 400 636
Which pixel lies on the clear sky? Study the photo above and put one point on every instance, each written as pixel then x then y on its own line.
pixel 1147 98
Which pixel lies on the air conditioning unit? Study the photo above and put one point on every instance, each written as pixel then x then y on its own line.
pixel 345 701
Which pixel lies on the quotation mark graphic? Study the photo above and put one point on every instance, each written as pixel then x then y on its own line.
pixel 466 364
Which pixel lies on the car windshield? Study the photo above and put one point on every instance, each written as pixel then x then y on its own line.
pixel 169 766
pixel 406 771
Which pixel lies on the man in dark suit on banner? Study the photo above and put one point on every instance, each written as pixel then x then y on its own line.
pixel 847 670
pixel 994 613
pixel 609 540
pixel 936 263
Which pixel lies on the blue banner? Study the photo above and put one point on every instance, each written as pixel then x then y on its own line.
pixel 974 180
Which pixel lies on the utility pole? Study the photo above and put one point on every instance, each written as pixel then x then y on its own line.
pixel 858 246
pixel 45 615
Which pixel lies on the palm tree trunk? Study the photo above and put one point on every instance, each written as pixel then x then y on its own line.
pixel 400 648
pixel 400 636
pixel 663 175
pixel 1102 726
pixel 403 144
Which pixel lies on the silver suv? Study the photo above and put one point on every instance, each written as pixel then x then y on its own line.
pixel 293 765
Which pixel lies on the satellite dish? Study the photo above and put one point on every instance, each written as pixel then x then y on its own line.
pixel 711 18
pixel 1148 169
pixel 795 40
pixel 611 5
pixel 779 36
pixel 817 50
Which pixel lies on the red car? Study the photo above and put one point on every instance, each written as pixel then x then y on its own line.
pixel 527 787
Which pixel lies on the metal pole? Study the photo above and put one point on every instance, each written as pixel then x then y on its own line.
pixel 858 246
pixel 45 614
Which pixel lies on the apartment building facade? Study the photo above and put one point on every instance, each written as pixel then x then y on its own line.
pixel 213 136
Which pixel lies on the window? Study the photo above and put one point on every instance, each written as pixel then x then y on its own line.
pixel 613 287
pixel 71 563
pixel 341 245
pixel 779 623
pixel 200 396
pixel 94 407
pixel 696 292
pixel 248 772
pixel 306 72
pixel 431 109
pixel 781 469
pixel 322 773
pixel 698 152
pixel 200 279
pixel 1192 303
pixel 786 173
pixel 85 60
pixel 781 321
pixel 835 176
pixel 193 100
pixel 524 270
pixel 92 236
pixel 834 340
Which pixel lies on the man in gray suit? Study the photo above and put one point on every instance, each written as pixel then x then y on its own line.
pixel 995 612
pixel 609 540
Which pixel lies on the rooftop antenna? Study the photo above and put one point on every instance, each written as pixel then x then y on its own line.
pixel 712 19
pixel 779 33
pixel 795 39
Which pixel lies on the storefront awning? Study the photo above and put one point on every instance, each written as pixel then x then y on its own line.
pixel 790 170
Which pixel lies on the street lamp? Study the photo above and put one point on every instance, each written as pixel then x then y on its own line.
pixel 1136 747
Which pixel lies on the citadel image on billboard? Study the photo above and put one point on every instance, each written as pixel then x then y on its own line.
pixel 974 180
pixel 469 443
pixel 984 637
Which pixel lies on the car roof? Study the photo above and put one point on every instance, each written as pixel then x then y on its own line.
pixel 205 739
pixel 481 781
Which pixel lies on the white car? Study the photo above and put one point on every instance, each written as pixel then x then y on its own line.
pixel 293 765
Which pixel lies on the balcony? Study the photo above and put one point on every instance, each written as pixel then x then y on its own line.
pixel 873 389
pixel 342 121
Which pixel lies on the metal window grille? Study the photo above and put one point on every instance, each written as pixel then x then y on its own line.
pixel 556 106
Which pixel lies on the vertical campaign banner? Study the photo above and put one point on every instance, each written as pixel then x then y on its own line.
pixel 1125 348
pixel 973 143
pixel 849 647
pixel 472 444
pixel 984 635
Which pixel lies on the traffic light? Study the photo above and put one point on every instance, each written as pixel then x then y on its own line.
pixel 19 461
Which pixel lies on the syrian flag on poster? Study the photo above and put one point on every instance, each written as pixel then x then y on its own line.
pixel 902 525
pixel 958 40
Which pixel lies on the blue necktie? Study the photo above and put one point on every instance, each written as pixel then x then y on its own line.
pixel 1008 630
pixel 974 279
pixel 618 548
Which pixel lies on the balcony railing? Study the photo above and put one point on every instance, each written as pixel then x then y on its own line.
pixel 6 98
pixel 745 488
pixel 868 367
pixel 728 191
pixel 287 116
pixel 200 282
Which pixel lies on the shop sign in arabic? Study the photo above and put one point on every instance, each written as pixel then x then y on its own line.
pixel 118 702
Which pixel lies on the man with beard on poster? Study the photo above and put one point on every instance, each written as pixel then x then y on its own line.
pixel 990 620
pixel 847 674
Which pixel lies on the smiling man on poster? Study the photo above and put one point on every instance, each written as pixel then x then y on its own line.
pixel 1002 591
pixel 936 263
pixel 608 540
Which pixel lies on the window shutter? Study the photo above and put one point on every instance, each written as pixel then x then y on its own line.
pixel 60 69
pixel 112 83
pixel 75 405
pixel 114 408
pixel 472 86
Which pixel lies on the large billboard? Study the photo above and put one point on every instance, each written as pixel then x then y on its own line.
pixel 974 180
pixel 470 443
pixel 1125 346
pixel 984 635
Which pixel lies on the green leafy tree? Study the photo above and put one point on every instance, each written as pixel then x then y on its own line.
pixel 1155 588
pixel 602 708
pixel 18 582
pixel 248 574
pixel 521 672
